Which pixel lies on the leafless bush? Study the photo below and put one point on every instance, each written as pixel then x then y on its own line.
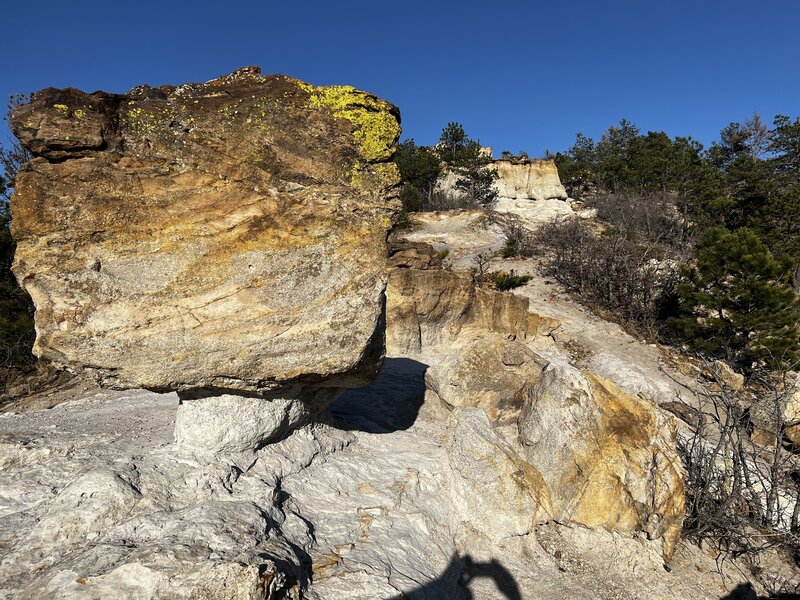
pixel 630 278
pixel 652 216
pixel 442 200
pixel 519 240
pixel 742 496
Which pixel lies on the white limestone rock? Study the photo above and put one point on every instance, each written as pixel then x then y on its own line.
pixel 229 424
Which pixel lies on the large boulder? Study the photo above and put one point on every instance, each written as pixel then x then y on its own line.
pixel 227 235
pixel 609 459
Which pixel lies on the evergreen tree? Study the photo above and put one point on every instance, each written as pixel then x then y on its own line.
pixel 735 302
pixel 464 156
pixel 419 169
pixel 16 309
pixel 453 142
pixel 785 143
pixel 614 153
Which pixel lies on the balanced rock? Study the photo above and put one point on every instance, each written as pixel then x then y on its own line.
pixel 227 235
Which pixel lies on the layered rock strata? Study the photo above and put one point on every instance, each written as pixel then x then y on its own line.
pixel 528 190
pixel 430 307
pixel 227 235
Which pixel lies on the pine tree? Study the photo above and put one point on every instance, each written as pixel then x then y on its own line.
pixel 419 169
pixel 735 301
pixel 464 156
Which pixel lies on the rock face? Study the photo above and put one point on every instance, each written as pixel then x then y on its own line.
pixel 489 372
pixel 539 440
pixel 227 235
pixel 528 179
pixel 528 189
pixel 530 192
pixel 426 308
pixel 494 489
pixel 608 458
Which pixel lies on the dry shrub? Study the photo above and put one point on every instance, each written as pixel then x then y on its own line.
pixel 741 496
pixel 631 278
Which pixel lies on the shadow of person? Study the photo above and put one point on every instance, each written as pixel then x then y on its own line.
pixel 493 570
pixel 390 403
pixel 454 582
pixel 743 591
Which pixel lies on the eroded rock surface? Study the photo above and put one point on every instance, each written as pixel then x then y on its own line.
pixel 528 179
pixel 489 372
pixel 228 235
pixel 428 308
pixel 609 458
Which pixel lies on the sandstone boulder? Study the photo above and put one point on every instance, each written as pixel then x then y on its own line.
pixel 227 235
pixel 489 372
pixel 608 458
pixel 778 412
pixel 413 255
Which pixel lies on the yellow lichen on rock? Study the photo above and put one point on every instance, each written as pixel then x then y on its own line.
pixel 375 128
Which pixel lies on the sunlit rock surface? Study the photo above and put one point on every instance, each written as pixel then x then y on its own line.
pixel 609 458
pixel 528 179
pixel 228 235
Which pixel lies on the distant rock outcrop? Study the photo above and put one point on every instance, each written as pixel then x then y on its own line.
pixel 528 179
pixel 229 235
pixel 530 191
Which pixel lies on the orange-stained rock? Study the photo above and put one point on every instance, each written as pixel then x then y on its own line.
pixel 608 458
pixel 227 235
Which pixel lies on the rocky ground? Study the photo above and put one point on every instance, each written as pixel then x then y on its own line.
pixel 100 500
pixel 365 514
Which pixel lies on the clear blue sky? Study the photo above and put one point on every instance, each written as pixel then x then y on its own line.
pixel 519 76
